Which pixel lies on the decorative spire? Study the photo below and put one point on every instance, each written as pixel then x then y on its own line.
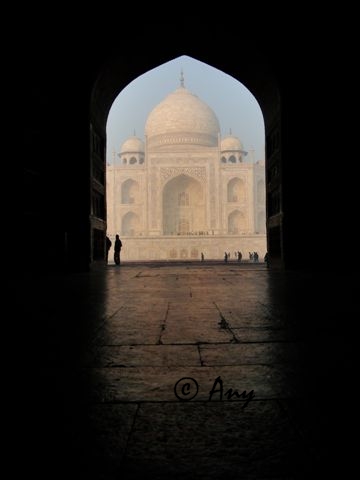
pixel 134 133
pixel 230 131
pixel 182 78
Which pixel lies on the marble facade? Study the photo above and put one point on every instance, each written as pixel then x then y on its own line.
pixel 185 190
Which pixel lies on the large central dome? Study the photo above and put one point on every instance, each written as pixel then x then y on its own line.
pixel 182 118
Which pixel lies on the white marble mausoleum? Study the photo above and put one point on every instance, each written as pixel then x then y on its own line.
pixel 184 190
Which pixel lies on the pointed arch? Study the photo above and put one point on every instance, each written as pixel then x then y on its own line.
pixel 130 224
pixel 183 206
pixel 236 190
pixel 236 222
pixel 129 191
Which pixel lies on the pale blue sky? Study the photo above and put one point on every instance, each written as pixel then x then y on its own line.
pixel 235 107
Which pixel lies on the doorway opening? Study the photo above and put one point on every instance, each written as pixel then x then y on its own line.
pixel 190 177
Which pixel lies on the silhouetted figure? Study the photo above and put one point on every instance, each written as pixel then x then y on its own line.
pixel 202 257
pixel 239 256
pixel 108 246
pixel 117 249
pixel 225 257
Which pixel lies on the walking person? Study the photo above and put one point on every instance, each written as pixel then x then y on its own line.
pixel 117 249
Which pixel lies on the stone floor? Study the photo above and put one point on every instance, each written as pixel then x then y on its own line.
pixel 197 371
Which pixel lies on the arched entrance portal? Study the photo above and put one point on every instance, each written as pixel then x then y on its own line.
pixel 268 100
pixel 183 206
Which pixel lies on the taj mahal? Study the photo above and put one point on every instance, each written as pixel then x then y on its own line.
pixel 184 190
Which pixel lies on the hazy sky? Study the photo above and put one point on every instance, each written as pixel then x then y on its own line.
pixel 235 107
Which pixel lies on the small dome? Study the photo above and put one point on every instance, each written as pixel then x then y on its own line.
pixel 231 144
pixel 182 118
pixel 133 145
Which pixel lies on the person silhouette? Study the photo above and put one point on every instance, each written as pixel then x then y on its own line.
pixel 117 249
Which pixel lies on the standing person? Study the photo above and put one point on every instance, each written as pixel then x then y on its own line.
pixel 108 246
pixel 117 249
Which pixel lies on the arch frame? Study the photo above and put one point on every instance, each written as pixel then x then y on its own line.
pixel 257 76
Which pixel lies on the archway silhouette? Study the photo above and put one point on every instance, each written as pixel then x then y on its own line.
pixel 111 81
pixel 241 187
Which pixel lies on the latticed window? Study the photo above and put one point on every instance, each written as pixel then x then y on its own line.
pixel 183 199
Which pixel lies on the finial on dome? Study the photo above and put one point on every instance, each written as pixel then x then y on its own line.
pixel 182 78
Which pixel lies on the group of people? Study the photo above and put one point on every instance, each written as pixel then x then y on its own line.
pixel 253 256
pixel 117 249
pixel 237 255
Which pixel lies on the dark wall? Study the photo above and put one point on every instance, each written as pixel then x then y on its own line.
pixel 56 164
pixel 64 65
